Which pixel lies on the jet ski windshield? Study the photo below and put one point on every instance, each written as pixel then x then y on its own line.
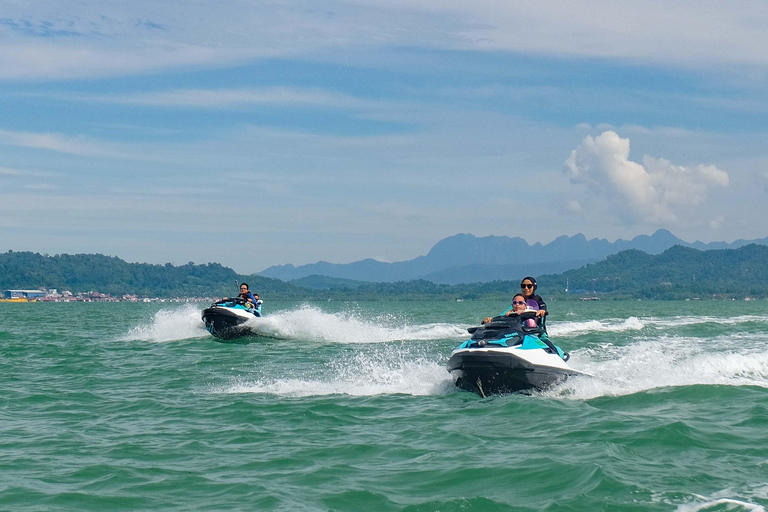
pixel 504 330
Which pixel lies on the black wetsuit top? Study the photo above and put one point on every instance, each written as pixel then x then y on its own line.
pixel 539 301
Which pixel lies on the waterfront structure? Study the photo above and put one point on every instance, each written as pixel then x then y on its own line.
pixel 23 294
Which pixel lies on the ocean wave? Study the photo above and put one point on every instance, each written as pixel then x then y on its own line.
pixel 362 375
pixel 306 323
pixel 720 504
pixel 737 360
pixel 681 321
pixel 170 325
pixel 607 325
pixel 309 323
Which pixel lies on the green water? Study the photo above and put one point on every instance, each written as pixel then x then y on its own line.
pixel 348 407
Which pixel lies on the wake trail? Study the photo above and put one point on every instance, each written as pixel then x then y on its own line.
pixel 306 323
pixel 737 359
pixel 592 326
pixel 309 323
pixel 169 325
pixel 385 372
pixel 610 325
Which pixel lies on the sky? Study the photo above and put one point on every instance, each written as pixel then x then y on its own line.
pixel 262 133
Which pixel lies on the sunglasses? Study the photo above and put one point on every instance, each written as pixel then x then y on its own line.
pixel 524 285
pixel 516 302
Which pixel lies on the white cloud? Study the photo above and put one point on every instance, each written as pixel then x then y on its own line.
pixel 649 30
pixel 52 142
pixel 48 39
pixel 573 206
pixel 235 98
pixel 40 186
pixel 84 146
pixel 764 175
pixel 605 127
pixel 33 60
pixel 664 131
pixel 26 173
pixel 656 191
pixel 717 222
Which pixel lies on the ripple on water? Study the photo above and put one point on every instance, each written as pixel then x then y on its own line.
pixel 98 416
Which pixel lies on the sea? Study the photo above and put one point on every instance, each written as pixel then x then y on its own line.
pixel 347 406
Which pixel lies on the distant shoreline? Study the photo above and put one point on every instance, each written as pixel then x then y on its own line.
pixel 679 273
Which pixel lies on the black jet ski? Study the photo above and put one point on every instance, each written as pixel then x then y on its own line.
pixel 507 355
pixel 227 319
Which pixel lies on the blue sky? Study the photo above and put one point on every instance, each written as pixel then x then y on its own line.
pixel 262 133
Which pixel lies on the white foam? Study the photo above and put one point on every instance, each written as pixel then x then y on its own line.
pixel 736 360
pixel 170 325
pixel 310 323
pixel 680 321
pixel 607 325
pixel 364 374
pixel 731 504
pixel 636 324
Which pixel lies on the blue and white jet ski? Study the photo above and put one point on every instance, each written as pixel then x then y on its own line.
pixel 227 319
pixel 507 355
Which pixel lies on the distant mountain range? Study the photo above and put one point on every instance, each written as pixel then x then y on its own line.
pixel 466 258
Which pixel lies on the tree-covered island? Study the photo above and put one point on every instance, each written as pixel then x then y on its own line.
pixel 677 273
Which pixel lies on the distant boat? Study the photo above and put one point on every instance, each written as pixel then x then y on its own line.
pixel 589 298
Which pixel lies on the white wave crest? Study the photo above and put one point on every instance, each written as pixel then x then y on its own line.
pixel 717 504
pixel 636 324
pixel 362 375
pixel 310 323
pixel 608 325
pixel 170 325
pixel 680 321
pixel 732 360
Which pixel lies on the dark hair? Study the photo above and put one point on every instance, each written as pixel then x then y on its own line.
pixel 520 295
pixel 246 286
pixel 532 280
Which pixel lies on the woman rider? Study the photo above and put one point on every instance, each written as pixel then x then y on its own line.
pixel 528 286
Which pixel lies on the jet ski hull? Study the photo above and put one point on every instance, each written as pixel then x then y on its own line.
pixel 487 372
pixel 228 323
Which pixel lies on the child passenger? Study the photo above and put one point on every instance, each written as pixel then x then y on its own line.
pixel 519 305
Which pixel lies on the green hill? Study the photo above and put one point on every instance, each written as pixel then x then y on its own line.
pixel 676 273
pixel 106 274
